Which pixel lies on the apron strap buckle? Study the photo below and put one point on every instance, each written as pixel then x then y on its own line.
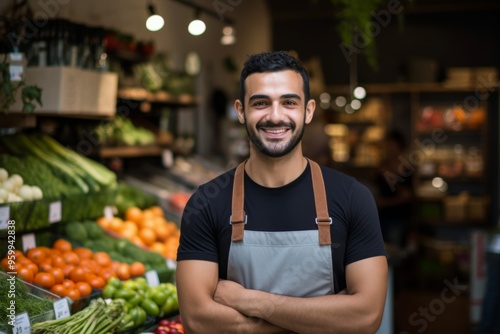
pixel 324 231
pixel 237 227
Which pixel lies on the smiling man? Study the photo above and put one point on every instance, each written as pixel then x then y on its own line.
pixel 280 244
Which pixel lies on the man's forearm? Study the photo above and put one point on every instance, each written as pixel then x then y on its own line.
pixel 325 314
pixel 218 318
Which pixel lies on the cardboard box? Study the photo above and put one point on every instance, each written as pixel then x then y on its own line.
pixel 71 90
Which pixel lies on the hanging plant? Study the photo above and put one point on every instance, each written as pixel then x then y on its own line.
pixel 9 88
pixel 356 29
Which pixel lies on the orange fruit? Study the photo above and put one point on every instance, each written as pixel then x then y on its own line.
pixel 89 265
pixel 73 294
pixel 147 236
pixel 133 214
pixel 58 274
pixel 67 269
pixel 45 280
pixel 83 253
pixel 102 259
pixel 59 289
pixel 25 273
pixel 69 284
pixel 62 245
pixel 157 211
pixel 78 274
pixel 70 257
pixel 96 282
pixel 157 247
pixel 36 255
pixel 45 265
pixel 84 288
pixel 33 267
pixel 106 273
pixel 104 222
pixel 137 269
pixel 123 271
pixel 58 261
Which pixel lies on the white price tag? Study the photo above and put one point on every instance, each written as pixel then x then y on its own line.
pixel 22 324
pixel 4 217
pixel 109 212
pixel 167 158
pixel 61 308
pixel 152 278
pixel 171 264
pixel 55 210
pixel 16 56
pixel 28 241
pixel 16 72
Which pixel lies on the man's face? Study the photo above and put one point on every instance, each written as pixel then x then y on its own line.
pixel 275 115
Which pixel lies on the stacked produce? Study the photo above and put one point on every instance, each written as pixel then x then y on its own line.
pixel 173 326
pixel 98 317
pixel 25 301
pixel 67 271
pixel 13 189
pixel 146 228
pixel 72 168
pixel 122 132
pixel 89 234
pixel 142 300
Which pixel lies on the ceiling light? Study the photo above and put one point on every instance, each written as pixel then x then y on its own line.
pixel 359 93
pixel 197 26
pixel 154 22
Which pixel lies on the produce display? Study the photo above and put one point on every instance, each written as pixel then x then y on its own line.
pixel 166 326
pixel 67 271
pixel 91 235
pixel 25 300
pixel 69 166
pixel 146 228
pixel 122 132
pixel 141 300
pixel 98 317
pixel 13 189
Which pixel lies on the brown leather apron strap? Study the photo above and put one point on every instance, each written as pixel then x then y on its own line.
pixel 238 217
pixel 322 216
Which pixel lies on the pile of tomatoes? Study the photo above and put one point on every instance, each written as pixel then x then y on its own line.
pixel 67 271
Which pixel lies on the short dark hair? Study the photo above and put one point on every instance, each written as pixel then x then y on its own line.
pixel 273 62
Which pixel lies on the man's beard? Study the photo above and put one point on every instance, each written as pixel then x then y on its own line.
pixel 278 148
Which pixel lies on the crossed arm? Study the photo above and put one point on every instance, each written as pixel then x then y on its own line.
pixel 212 306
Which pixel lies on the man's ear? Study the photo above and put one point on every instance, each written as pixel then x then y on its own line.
pixel 310 108
pixel 238 106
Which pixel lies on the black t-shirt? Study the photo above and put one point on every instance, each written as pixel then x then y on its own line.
pixel 355 229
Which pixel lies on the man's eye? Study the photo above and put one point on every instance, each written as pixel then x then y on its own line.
pixel 259 104
pixel 290 103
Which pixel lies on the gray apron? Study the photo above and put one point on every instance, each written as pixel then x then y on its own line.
pixel 292 263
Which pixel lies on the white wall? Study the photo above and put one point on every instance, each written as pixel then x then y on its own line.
pixel 251 22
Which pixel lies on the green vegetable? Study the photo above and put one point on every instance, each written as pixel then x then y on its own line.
pixel 76 231
pixel 98 317
pixel 25 301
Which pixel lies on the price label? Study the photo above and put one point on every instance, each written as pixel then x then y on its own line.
pixel 28 241
pixel 4 217
pixel 16 56
pixel 171 264
pixel 109 212
pixel 55 210
pixel 152 278
pixel 22 324
pixel 16 72
pixel 167 158
pixel 61 308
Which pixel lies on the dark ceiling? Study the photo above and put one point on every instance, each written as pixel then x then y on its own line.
pixel 451 32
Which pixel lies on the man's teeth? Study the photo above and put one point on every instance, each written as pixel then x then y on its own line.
pixel 275 130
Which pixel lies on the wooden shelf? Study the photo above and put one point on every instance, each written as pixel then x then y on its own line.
pixel 129 151
pixel 17 120
pixel 140 94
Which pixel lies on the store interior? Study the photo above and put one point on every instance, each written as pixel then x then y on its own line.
pixel 409 108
